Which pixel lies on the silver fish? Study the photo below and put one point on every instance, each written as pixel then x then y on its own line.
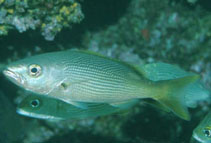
pixel 43 107
pixel 202 132
pixel 77 76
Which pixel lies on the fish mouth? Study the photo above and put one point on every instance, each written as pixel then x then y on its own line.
pixel 24 113
pixel 38 116
pixel 13 76
pixel 197 137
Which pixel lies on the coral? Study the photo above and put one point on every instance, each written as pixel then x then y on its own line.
pixel 50 16
pixel 149 31
pixel 165 32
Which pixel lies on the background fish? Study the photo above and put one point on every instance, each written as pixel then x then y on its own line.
pixel 202 132
pixel 43 107
pixel 75 77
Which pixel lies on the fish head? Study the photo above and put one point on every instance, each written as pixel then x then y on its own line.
pixel 203 134
pixel 31 104
pixel 37 107
pixel 38 74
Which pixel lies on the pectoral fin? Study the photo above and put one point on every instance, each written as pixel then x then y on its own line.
pixel 77 104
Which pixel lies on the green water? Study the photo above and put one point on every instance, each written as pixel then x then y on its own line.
pixel 135 31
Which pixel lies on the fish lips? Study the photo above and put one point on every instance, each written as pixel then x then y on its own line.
pixel 197 137
pixel 13 76
pixel 37 115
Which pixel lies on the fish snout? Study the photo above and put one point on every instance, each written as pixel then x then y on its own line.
pixel 196 136
pixel 13 76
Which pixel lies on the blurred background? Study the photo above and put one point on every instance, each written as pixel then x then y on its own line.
pixel 135 31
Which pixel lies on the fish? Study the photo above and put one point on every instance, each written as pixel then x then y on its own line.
pixel 46 108
pixel 202 132
pixel 78 77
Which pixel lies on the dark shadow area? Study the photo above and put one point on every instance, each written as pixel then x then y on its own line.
pixel 82 137
pixel 103 13
pixel 153 126
pixel 8 88
pixel 98 14
pixel 188 127
pixel 206 4
pixel 16 41
pixel 12 127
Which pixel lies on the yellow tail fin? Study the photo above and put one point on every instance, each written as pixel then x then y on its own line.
pixel 171 93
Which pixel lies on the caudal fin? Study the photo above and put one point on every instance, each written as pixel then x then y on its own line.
pixel 171 93
pixel 194 92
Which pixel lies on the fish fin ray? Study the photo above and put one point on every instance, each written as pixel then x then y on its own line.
pixel 162 71
pixel 173 95
pixel 96 109
pixel 196 92
pixel 157 104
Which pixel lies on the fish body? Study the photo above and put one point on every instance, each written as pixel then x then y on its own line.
pixel 202 132
pixel 43 107
pixel 76 77
pixel 80 76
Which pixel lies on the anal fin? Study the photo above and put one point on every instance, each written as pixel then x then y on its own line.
pixel 177 107
pixel 157 104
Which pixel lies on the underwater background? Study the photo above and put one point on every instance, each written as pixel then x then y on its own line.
pixel 135 31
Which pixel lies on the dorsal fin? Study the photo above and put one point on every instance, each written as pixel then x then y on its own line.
pixel 163 71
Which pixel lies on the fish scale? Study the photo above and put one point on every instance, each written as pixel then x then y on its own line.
pixel 80 77
pixel 52 109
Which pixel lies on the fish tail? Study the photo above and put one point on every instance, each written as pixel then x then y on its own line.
pixel 164 71
pixel 171 93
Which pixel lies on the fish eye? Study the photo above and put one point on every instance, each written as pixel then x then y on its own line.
pixel 34 70
pixel 35 103
pixel 207 132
